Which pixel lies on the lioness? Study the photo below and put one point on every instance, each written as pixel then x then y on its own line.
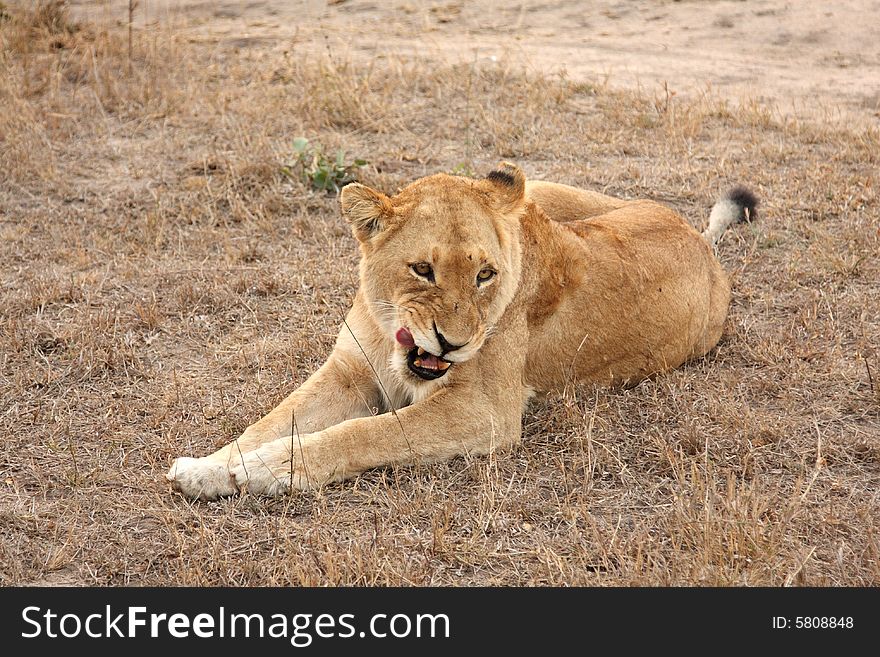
pixel 475 294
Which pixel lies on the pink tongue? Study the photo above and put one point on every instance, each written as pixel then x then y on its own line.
pixel 430 361
pixel 405 338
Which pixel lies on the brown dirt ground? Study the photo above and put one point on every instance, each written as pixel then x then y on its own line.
pixel 163 284
pixel 803 58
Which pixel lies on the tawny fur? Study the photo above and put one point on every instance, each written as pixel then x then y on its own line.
pixel 589 288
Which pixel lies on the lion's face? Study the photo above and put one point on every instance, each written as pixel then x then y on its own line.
pixel 440 263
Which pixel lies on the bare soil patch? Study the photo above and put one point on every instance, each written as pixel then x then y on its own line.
pixel 808 59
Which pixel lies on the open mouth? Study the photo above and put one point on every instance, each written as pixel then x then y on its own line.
pixel 423 364
pixel 426 365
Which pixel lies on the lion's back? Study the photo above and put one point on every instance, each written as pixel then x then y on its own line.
pixel 620 296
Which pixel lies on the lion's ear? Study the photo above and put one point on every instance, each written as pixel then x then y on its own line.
pixel 508 184
pixel 367 210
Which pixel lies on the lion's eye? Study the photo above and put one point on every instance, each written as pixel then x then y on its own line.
pixel 424 270
pixel 486 274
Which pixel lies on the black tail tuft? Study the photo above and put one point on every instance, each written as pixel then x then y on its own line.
pixel 502 177
pixel 747 202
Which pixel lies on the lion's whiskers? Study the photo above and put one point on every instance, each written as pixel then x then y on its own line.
pixel 388 305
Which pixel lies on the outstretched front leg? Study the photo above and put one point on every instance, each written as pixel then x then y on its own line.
pixel 479 410
pixel 342 389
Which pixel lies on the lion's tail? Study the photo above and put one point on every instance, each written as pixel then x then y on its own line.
pixel 736 206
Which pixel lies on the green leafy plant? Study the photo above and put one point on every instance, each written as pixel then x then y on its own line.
pixel 313 166
pixel 463 169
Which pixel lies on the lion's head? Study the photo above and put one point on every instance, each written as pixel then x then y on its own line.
pixel 440 261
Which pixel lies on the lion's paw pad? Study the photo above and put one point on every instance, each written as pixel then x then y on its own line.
pixel 201 478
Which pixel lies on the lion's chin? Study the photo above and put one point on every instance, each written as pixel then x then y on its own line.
pixel 426 365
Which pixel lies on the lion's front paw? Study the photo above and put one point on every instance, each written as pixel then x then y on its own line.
pixel 201 478
pixel 274 469
pixel 261 474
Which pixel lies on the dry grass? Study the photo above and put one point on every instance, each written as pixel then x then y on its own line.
pixel 163 285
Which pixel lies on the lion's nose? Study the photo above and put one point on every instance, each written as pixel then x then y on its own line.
pixel 445 345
